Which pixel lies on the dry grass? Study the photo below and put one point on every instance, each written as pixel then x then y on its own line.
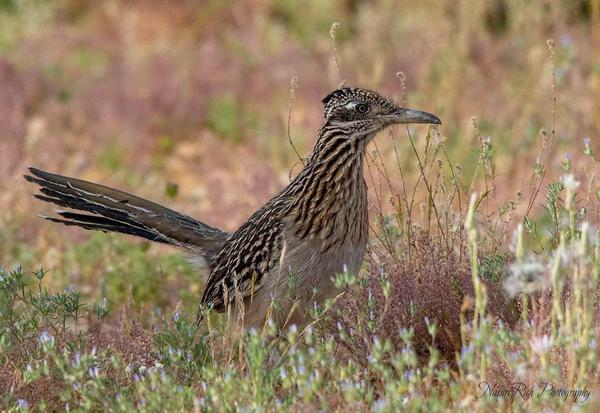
pixel 433 285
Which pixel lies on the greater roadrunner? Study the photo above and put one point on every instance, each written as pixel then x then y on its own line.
pixel 315 228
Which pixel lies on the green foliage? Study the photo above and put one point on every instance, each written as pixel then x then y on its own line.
pixel 19 17
pixel 171 189
pixel 27 308
pixel 312 19
pixel 494 268
pixel 111 156
pixel 128 274
pixel 90 60
pixel 8 6
pixel 183 345
pixel 223 116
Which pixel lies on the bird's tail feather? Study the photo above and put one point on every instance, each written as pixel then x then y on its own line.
pixel 113 210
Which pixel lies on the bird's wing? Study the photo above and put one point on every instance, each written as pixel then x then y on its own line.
pixel 240 268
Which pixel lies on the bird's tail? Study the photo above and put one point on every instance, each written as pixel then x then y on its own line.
pixel 109 209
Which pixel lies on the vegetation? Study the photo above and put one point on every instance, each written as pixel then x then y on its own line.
pixel 479 291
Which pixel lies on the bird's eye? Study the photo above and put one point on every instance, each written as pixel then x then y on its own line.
pixel 362 108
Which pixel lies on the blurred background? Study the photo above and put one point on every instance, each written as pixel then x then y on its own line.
pixel 187 103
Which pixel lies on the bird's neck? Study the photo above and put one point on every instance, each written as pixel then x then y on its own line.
pixel 328 198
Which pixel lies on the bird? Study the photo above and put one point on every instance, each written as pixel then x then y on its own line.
pixel 286 254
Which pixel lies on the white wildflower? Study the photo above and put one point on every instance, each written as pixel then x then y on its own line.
pixel 571 184
pixel 526 277
pixel 521 371
pixel 541 345
pixel 380 405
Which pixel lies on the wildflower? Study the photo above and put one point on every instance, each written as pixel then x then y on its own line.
pixel 23 404
pixel 564 254
pixel 541 345
pixel 408 375
pixel 405 333
pixel 521 370
pixel 570 183
pixel 587 148
pixel 46 338
pixel 566 164
pixel 566 40
pixel 380 405
pixel 512 286
pixel 46 341
pixel 466 351
pixel 526 268
pixel 76 359
pixel 527 277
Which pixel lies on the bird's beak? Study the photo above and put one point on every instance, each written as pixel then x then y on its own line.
pixel 404 115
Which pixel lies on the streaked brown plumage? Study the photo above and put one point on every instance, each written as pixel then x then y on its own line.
pixel 315 227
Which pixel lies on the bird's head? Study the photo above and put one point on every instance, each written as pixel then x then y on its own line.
pixel 364 112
